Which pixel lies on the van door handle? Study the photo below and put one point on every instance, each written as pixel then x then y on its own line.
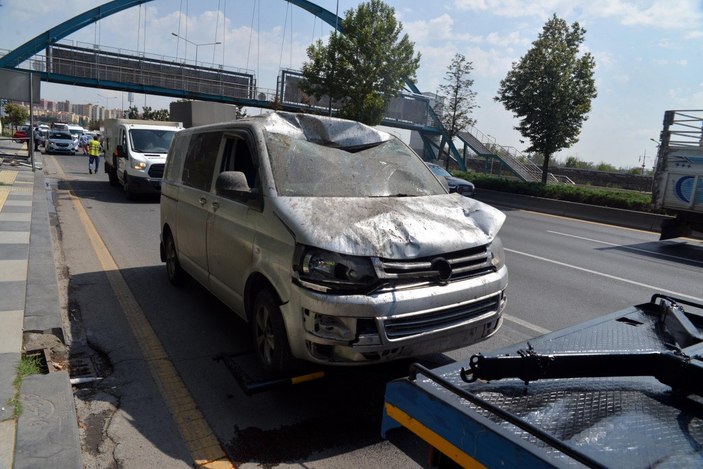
pixel 215 205
pixel 203 201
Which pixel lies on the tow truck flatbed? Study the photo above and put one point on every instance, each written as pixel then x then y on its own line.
pixel 622 390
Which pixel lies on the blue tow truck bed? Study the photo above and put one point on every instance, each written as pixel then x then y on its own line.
pixel 621 391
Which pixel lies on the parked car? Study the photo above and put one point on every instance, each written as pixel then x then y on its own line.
pixel 458 185
pixel 332 239
pixel 59 141
pixel 20 135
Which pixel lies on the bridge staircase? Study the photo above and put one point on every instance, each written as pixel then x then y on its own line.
pixel 515 161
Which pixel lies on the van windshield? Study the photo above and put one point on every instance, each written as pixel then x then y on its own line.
pixel 306 169
pixel 151 140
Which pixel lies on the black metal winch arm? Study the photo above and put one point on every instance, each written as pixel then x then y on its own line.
pixel 677 365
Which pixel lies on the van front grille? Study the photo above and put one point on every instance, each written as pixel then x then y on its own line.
pixel 156 170
pixel 429 322
pixel 447 267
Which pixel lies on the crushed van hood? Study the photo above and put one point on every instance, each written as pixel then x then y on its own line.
pixel 390 227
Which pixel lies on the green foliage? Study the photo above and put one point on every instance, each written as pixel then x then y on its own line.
pixel 15 115
pixel 607 167
pixel 28 365
pixel 154 115
pixel 147 113
pixel 550 89
pixel 629 200
pixel 455 113
pixel 131 112
pixel 364 68
pixel 573 162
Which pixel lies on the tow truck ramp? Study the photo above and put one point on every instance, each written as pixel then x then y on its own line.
pixel 620 391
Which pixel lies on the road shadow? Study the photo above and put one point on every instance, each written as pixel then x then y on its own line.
pixel 99 189
pixel 338 414
pixel 681 252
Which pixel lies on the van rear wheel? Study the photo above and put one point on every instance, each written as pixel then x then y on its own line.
pixel 269 334
pixel 176 275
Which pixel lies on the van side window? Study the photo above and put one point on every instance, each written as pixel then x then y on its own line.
pixel 237 157
pixel 200 160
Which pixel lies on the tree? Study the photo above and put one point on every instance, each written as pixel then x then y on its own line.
pixel 550 89
pixel 131 112
pixel 152 115
pixel 455 113
pixel 16 115
pixel 364 68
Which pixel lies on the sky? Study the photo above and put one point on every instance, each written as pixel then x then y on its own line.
pixel 648 53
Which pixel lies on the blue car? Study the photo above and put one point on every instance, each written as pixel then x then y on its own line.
pixel 458 185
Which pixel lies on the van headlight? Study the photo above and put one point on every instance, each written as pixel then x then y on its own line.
pixel 330 272
pixel 138 165
pixel 497 253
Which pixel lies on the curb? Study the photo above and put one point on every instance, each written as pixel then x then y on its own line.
pixel 45 434
pixel 612 216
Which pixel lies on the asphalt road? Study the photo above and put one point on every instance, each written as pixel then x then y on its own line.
pixel 562 272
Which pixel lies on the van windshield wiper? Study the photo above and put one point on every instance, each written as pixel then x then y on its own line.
pixel 677 363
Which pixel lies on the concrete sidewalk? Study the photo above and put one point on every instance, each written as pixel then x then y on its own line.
pixel 44 433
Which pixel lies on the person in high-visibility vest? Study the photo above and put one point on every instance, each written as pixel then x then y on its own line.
pixel 94 149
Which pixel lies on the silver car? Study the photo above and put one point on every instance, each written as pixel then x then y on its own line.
pixel 59 141
pixel 333 239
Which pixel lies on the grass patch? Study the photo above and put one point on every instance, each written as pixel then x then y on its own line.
pixel 28 365
pixel 604 197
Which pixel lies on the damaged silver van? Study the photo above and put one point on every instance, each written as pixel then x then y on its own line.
pixel 332 239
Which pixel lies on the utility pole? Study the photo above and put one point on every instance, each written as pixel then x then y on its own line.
pixel 643 159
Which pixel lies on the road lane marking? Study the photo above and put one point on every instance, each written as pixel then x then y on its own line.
pixel 204 447
pixel 526 324
pixel 658 254
pixel 613 277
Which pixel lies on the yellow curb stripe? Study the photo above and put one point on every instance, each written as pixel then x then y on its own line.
pixel 203 445
pixel 7 177
pixel 308 377
pixel 436 441
pixel 4 191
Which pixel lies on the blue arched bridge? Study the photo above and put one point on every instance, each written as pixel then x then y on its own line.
pixel 108 68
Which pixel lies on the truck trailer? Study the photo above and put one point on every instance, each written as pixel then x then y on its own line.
pixel 135 153
pixel 621 390
pixel 678 176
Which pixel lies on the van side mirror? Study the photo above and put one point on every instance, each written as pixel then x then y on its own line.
pixel 233 184
pixel 120 151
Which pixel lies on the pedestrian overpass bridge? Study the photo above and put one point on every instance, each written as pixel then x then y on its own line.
pixel 56 60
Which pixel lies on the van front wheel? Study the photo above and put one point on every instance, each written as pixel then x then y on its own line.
pixel 269 333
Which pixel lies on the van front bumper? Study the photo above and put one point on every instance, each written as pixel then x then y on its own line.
pixel 358 329
pixel 144 185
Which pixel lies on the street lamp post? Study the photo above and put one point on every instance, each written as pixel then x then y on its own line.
pixel 196 44
pixel 107 102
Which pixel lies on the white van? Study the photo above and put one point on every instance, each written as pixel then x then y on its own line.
pixel 333 239
pixel 135 153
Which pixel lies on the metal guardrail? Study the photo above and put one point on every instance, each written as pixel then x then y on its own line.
pixel 684 128
pixel 178 73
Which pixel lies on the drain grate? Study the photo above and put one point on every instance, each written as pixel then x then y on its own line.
pixel 82 365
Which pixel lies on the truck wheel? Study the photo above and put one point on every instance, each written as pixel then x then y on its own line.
pixel 176 275
pixel 269 334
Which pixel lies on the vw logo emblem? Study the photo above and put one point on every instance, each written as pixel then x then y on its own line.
pixel 443 268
